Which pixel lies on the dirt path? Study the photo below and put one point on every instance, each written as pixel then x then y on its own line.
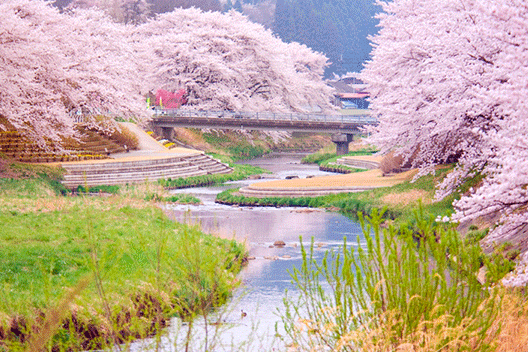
pixel 149 147
pixel 146 142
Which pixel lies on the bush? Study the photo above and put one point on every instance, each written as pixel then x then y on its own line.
pixel 391 163
pixel 247 151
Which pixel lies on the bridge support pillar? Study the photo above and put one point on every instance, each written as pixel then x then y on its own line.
pixel 167 133
pixel 341 141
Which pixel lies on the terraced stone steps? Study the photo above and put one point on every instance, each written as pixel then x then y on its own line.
pixel 358 163
pixel 140 170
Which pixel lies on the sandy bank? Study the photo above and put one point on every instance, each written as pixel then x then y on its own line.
pixel 354 182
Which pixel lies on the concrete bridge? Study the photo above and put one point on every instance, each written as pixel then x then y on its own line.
pixel 342 127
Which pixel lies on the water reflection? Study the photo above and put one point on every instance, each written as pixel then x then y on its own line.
pixel 252 315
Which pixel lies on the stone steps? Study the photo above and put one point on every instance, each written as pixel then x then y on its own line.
pixel 358 163
pixel 141 170
pixel 145 164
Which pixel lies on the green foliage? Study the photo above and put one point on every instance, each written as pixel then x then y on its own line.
pixel 247 151
pixel 327 161
pixel 503 257
pixel 398 286
pixel 240 172
pixel 474 235
pixel 233 144
pixel 316 158
pixel 182 199
pixel 22 178
pixel 153 196
pixel 112 189
pixel 32 188
pixel 216 138
pixel 176 198
pixel 230 196
pixel 325 158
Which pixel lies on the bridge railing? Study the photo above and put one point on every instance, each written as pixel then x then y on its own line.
pixel 266 116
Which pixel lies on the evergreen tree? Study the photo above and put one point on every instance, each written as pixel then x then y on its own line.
pixel 228 6
pixel 238 6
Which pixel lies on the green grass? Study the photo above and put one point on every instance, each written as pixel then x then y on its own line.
pixel 325 158
pixel 327 161
pixel 45 253
pixel 113 189
pixel 176 198
pixel 18 177
pixel 316 158
pixel 230 196
pixel 240 172
pixel 239 148
pixel 131 267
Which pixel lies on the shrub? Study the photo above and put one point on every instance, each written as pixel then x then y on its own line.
pixel 391 163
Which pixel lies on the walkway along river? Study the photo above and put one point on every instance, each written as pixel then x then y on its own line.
pixel 249 320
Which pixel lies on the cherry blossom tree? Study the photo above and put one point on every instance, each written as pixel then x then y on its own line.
pixel 224 61
pixel 428 69
pixel 448 80
pixel 505 188
pixel 108 65
pixel 125 11
pixel 54 63
pixel 35 85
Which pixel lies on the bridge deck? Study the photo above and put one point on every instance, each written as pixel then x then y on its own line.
pixel 349 124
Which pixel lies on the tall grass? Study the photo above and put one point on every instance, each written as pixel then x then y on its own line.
pixel 412 288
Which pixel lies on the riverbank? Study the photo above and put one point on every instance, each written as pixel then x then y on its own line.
pixel 404 200
pixel 348 193
pixel 84 272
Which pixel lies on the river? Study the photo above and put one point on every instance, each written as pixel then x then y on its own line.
pixel 249 319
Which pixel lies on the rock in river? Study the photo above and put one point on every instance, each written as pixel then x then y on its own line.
pixel 279 243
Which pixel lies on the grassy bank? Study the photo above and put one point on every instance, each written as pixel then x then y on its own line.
pixel 399 200
pixel 327 160
pixel 324 158
pixel 232 197
pixel 250 144
pixel 87 272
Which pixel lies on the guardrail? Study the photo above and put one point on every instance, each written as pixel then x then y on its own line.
pixel 266 116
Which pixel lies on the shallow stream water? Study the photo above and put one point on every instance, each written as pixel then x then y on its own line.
pixel 248 321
